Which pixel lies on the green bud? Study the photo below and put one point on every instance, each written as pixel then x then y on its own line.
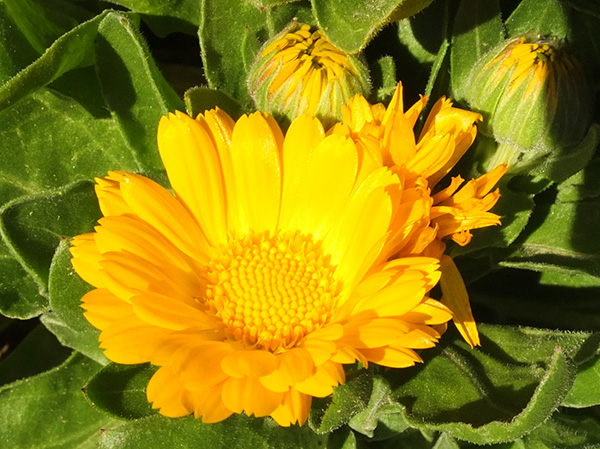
pixel 536 104
pixel 300 71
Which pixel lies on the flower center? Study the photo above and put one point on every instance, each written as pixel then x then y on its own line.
pixel 272 291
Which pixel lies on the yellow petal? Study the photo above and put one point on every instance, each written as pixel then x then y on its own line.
pixel 155 205
pixel 322 382
pixel 249 363
pixel 164 391
pixel 294 408
pixel 86 259
pixel 429 312
pixel 248 394
pixel 131 340
pixel 127 275
pixel 102 308
pixel 455 296
pixel 295 365
pixel 130 234
pixel 255 153
pixel 356 240
pixel 170 313
pixel 211 407
pixel 110 199
pixel 192 163
pixel 392 357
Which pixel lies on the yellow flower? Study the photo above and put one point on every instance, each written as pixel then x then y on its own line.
pixel 264 273
pixel 386 137
pixel 300 71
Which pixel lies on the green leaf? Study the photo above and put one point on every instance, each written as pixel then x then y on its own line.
pixel 132 86
pixel 16 52
pixel 347 400
pixel 19 294
pixel 445 441
pixel 352 32
pixel 38 352
pixel 268 3
pixel 493 394
pixel 200 99
pixel 563 163
pixel 229 33
pixel 566 241
pixel 477 29
pixel 436 67
pixel 66 320
pixel 44 22
pixel 166 16
pixel 565 432
pixel 50 411
pixel 383 76
pixel 583 185
pixel 32 227
pixel 66 289
pixel 190 433
pixel 120 390
pixel 84 342
pixel 532 304
pixel 382 417
pixel 73 49
pixel 423 34
pixel 342 438
pixel 588 6
pixel 545 17
pixel 586 388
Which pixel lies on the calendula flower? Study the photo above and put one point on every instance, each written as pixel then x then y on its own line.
pixel 387 138
pixel 264 273
pixel 535 98
pixel 300 71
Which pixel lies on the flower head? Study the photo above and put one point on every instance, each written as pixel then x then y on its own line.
pixel 387 139
pixel 300 71
pixel 535 98
pixel 267 270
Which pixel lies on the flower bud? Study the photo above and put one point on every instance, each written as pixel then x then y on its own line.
pixel 300 71
pixel 535 101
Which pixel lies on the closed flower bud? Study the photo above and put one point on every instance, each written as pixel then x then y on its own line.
pixel 535 101
pixel 300 71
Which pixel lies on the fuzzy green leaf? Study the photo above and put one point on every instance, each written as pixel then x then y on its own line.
pixel 190 433
pixel 567 241
pixel 120 390
pixel 200 99
pixel 382 417
pixel 351 24
pixel 44 22
pixel 423 34
pixel 166 16
pixel 496 393
pixel 33 226
pixel 549 18
pixel 132 86
pixel 38 352
pixel 73 49
pixel 586 388
pixel 66 320
pixel 84 342
pixel 50 411
pixel 16 52
pixel 347 400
